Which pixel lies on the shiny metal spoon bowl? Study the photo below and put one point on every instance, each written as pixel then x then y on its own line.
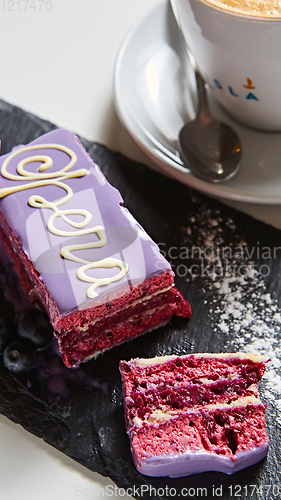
pixel 209 148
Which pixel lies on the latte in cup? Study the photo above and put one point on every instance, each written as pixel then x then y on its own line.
pixel 236 45
pixel 257 8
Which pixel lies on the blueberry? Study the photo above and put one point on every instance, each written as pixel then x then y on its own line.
pixel 34 325
pixel 19 357
pixel 6 334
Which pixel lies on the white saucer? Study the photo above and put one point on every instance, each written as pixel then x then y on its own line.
pixel 154 94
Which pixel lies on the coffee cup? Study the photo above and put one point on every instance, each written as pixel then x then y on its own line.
pixel 236 45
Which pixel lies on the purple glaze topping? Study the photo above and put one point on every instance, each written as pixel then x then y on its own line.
pixel 126 239
pixel 193 462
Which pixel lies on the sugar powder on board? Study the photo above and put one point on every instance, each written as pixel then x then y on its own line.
pixel 241 308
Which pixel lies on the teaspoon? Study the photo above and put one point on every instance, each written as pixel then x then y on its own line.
pixel 209 148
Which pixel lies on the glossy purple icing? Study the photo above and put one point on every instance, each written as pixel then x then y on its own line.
pixel 193 462
pixel 126 239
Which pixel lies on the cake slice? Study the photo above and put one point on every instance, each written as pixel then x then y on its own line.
pixel 78 251
pixel 194 413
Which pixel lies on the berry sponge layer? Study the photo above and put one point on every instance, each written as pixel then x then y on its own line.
pixel 194 413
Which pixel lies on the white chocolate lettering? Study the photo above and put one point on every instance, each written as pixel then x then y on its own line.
pixel 44 178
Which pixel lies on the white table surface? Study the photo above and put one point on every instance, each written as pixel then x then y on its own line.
pixel 59 64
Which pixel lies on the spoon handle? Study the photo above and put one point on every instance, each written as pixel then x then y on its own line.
pixel 203 107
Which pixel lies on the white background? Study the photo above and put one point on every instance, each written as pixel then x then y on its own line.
pixel 60 66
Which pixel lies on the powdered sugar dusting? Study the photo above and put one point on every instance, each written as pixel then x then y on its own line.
pixel 241 309
pixel 254 326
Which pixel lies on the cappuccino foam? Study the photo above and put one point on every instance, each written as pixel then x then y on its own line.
pixel 257 8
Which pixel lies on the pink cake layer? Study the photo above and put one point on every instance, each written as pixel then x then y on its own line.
pixel 217 433
pixel 122 320
pixel 180 385
pixel 194 413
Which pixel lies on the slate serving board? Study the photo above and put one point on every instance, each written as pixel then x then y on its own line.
pixel 88 424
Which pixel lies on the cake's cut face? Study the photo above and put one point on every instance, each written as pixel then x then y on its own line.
pixel 78 250
pixel 194 413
